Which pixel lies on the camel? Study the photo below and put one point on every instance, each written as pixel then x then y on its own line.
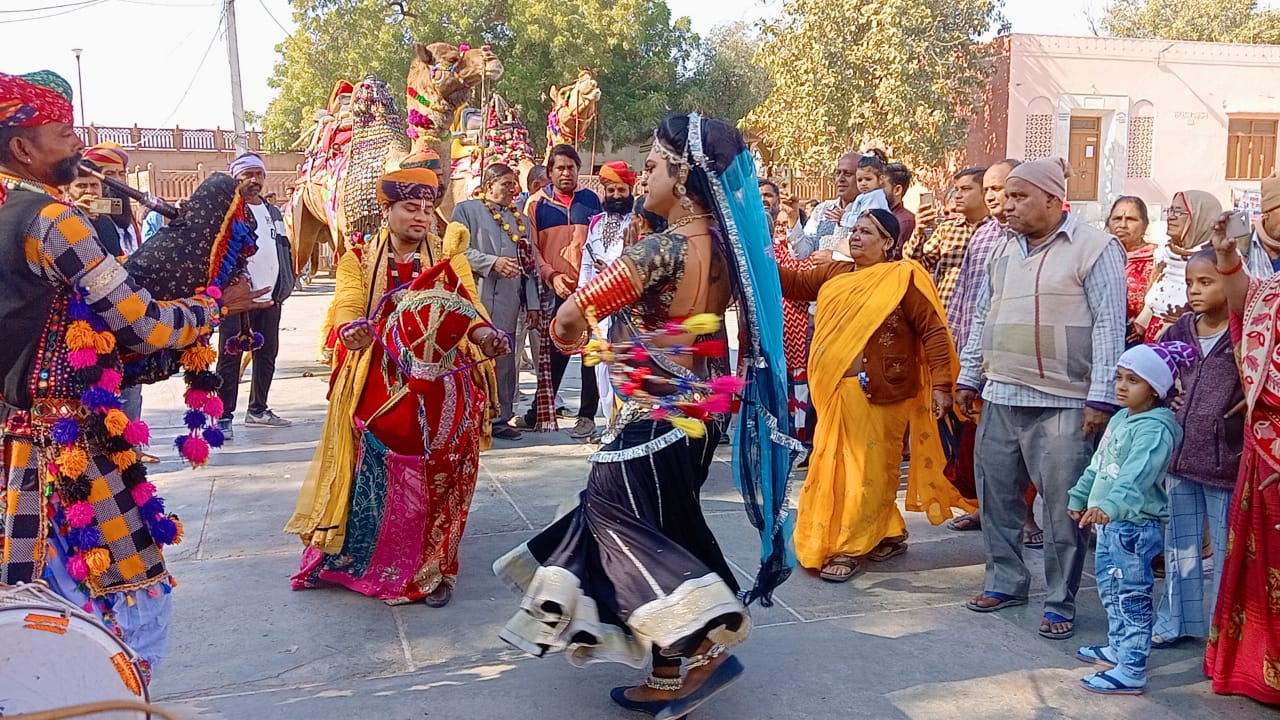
pixel 335 201
pixel 573 109
pixel 483 137
pixel 440 81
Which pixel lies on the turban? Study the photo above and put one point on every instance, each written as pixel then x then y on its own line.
pixel 246 161
pixel 424 158
pixel 1270 193
pixel 417 183
pixel 107 153
pixel 1158 363
pixel 617 171
pixel 1048 174
pixel 37 98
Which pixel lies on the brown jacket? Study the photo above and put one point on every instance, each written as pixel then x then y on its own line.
pixel 892 356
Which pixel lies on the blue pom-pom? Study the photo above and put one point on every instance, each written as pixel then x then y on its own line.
pixel 85 538
pixel 66 431
pixel 213 435
pixel 153 507
pixel 163 530
pixel 194 418
pixel 98 324
pixel 180 441
pixel 98 399
pixel 79 311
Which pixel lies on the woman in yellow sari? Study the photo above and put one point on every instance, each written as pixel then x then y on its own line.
pixel 881 362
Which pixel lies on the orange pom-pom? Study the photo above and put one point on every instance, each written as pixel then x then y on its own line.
pixel 177 536
pixel 72 462
pixel 116 422
pixel 104 342
pixel 198 357
pixel 124 459
pixel 80 335
pixel 98 560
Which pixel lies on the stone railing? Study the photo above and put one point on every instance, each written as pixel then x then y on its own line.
pixel 137 138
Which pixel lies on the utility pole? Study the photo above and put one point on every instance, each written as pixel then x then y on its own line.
pixel 237 95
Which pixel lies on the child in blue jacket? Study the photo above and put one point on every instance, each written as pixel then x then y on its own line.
pixel 1122 492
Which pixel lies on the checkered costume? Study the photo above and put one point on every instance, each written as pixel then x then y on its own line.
pixel 61 248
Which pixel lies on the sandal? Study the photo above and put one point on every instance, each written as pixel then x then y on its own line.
pixel 1095 655
pixel 1051 619
pixel 965 523
pixel 1033 539
pixel 439 597
pixel 886 550
pixel 1006 601
pixel 850 563
pixel 1105 684
pixel 1160 643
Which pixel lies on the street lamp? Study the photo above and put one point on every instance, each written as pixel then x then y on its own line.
pixel 80 84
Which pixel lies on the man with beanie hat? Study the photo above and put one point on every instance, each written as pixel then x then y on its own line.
pixel 1048 329
pixel 1264 247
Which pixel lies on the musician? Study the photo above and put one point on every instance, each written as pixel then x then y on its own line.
pixel 114 162
pixel 75 507
pixel 271 267
pixel 401 456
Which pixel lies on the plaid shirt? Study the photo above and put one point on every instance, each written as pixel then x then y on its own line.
pixel 942 252
pixel 1105 289
pixel 973 270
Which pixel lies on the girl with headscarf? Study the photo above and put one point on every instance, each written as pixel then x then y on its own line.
pixel 1191 216
pixel 881 363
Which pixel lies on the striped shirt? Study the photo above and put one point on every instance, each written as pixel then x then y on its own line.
pixel 973 270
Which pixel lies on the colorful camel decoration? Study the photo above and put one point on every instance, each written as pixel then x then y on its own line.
pixel 482 137
pixel 573 110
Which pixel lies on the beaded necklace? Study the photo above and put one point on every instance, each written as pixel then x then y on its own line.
pixel 519 234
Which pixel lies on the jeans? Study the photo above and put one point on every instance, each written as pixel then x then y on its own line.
pixel 267 322
pixel 131 401
pixel 1126 584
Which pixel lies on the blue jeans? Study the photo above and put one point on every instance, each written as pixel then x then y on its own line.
pixel 1126 584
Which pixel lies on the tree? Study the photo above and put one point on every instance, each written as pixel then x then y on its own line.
pixel 724 80
pixel 632 46
pixel 1241 21
pixel 904 72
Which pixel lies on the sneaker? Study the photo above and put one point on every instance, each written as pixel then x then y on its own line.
pixel 267 418
pixel 521 422
pixel 584 428
pixel 227 433
pixel 564 412
pixel 507 433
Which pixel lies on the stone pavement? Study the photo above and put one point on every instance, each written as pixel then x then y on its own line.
pixel 893 643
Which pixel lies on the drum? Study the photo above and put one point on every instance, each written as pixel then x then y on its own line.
pixel 52 655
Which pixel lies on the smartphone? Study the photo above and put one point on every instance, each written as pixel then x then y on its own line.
pixel 106 206
pixel 927 198
pixel 786 181
pixel 1237 225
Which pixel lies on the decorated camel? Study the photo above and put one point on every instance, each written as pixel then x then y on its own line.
pixel 573 110
pixel 482 137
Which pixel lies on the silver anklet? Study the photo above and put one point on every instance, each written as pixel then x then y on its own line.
pixel 698 661
pixel 664 683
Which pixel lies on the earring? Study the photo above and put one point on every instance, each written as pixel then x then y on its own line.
pixel 683 194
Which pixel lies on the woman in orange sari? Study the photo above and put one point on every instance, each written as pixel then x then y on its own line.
pixel 1243 655
pixel 881 362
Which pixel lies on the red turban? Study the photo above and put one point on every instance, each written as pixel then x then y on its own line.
pixel 617 171
pixel 107 153
pixel 37 98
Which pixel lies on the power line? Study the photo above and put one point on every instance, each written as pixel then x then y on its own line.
pixel 273 17
pixel 73 8
pixel 222 17
pixel 50 7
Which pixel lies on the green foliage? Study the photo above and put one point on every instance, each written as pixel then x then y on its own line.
pixel 632 46
pixel 724 80
pixel 1242 21
pixel 905 73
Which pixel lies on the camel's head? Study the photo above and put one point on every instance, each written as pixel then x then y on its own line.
pixel 441 76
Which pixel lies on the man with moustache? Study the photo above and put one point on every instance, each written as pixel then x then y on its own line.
pixel 270 267
pixel 114 162
pixel 83 193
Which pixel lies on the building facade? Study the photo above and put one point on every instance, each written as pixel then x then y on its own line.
pixel 1134 117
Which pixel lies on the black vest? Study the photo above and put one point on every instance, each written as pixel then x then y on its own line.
pixel 26 299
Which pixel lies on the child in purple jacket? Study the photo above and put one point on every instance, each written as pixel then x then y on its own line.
pixel 1203 473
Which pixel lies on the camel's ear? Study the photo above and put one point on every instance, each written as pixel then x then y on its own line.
pixel 424 54
pixel 553 93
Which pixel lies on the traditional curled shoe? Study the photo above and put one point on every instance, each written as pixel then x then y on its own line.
pixel 720 679
pixel 649 707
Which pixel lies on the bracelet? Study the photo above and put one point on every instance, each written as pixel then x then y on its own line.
pixel 1239 266
pixel 568 347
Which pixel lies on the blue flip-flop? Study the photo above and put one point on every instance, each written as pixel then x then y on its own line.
pixel 1006 601
pixel 1055 619
pixel 1105 684
pixel 725 675
pixel 1095 655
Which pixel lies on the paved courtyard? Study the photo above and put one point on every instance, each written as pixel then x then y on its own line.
pixel 895 642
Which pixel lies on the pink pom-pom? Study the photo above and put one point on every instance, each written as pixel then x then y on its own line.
pixel 195 398
pixel 639 354
pixel 731 384
pixel 412 132
pixel 83 358
pixel 142 492
pixel 80 514
pixel 110 380
pixel 52 469
pixel 673 328
pixel 213 406
pixel 463 48
pixel 78 568
pixel 214 292
pixel 137 433
pixel 717 404
pixel 196 450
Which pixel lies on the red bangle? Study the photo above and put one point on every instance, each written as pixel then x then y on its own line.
pixel 1239 266
pixel 568 347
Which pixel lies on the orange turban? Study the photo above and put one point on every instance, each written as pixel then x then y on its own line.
pixel 617 171
pixel 417 183
pixel 106 154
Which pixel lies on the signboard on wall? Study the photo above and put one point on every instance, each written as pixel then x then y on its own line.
pixel 1247 200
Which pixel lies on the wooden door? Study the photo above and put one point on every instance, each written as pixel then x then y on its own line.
pixel 1083 153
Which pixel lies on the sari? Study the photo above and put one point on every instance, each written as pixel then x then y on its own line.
pixel 1138 271
pixel 848 504
pixel 386 498
pixel 1243 653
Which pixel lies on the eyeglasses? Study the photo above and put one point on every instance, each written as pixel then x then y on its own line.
pixel 1173 213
